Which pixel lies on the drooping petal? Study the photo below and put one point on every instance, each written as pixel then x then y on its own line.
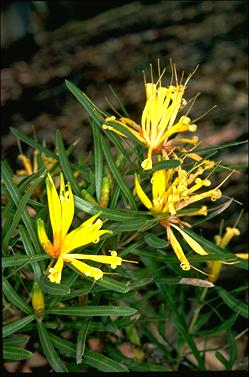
pixel 112 259
pixel 192 243
pixel 141 194
pixel 185 265
pixel 54 205
pixel 43 238
pixel 87 270
pixel 55 272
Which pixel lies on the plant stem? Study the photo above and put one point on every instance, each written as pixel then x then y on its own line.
pixel 191 325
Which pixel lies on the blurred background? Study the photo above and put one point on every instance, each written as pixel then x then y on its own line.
pixel 100 43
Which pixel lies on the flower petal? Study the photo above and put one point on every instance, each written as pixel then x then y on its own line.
pixel 54 205
pixel 141 194
pixel 112 259
pixel 192 243
pixel 90 271
pixel 87 233
pixel 55 272
pixel 185 265
pixel 43 238
pixel 67 206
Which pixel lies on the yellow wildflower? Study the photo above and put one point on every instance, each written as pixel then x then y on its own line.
pixel 215 266
pixel 61 213
pixel 173 190
pixel 158 121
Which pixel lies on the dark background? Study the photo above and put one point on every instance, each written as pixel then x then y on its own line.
pixel 100 43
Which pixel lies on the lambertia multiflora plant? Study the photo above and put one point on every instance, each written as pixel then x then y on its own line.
pixel 108 260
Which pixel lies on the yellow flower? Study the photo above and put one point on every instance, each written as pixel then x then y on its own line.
pixel 173 190
pixel 158 121
pixel 215 266
pixel 61 213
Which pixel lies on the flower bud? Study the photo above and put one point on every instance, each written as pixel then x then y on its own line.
pixel 38 301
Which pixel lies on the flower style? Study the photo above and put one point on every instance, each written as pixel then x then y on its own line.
pixel 215 266
pixel 158 120
pixel 61 213
pixel 173 192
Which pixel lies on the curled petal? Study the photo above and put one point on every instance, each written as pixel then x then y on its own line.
pixel 89 271
pixel 55 272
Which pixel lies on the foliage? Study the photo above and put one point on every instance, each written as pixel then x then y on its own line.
pixel 140 303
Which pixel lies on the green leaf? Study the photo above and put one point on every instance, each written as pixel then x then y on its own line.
pixel 16 340
pixel 112 284
pixel 63 345
pixel 110 214
pixel 28 247
pixel 232 302
pixel 37 178
pixel 16 261
pixel 98 160
pixel 155 241
pixel 221 209
pixel 102 363
pixel 81 340
pixel 53 289
pixel 165 165
pixel 139 283
pixel 16 197
pixel 88 311
pixel 15 353
pixel 85 102
pixel 13 297
pixel 65 164
pixel 220 146
pixel 119 102
pixel 17 325
pixel 117 174
pixel 28 140
pixel 224 326
pixel 48 349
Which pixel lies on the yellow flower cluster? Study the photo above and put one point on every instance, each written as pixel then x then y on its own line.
pixel 173 190
pixel 159 117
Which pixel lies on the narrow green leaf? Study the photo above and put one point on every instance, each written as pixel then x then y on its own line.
pixel 124 131
pixel 221 209
pixel 220 146
pixel 110 214
pixel 139 283
pixel 117 174
pixel 112 284
pixel 65 164
pixel 48 349
pixel 232 302
pixel 53 289
pixel 165 165
pixel 15 353
pixel 98 160
pixel 119 102
pixel 28 140
pixel 16 340
pixel 17 325
pixel 28 247
pixel 16 197
pixel 224 326
pixel 102 363
pixel 85 102
pixel 13 297
pixel 88 311
pixel 155 241
pixel 16 261
pixel 81 340
pixel 63 345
